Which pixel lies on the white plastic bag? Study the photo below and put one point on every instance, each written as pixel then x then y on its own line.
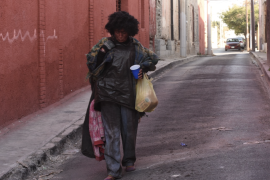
pixel 146 99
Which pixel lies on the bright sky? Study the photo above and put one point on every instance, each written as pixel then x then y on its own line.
pixel 220 6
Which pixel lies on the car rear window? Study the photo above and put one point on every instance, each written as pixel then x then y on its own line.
pixel 232 40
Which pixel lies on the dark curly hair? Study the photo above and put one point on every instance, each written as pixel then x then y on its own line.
pixel 122 20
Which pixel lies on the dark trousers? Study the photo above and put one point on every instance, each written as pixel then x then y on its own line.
pixel 119 120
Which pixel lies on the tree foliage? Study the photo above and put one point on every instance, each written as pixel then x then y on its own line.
pixel 235 18
pixel 217 24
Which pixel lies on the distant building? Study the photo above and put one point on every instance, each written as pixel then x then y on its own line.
pixel 167 40
pixel 262 30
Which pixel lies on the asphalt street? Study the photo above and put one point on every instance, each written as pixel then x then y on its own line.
pixel 218 107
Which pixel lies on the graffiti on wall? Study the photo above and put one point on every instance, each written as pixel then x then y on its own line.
pixel 19 35
pixel 45 39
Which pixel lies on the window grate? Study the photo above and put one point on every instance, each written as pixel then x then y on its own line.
pixel 118 5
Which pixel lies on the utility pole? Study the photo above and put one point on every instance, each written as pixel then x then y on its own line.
pixel 253 25
pixel 250 37
pixel 220 34
pixel 179 17
pixel 268 32
pixel 209 45
pixel 183 39
pixel 172 27
pixel 259 27
pixel 247 40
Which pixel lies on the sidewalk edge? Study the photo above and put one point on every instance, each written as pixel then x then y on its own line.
pixel 24 167
pixel 262 65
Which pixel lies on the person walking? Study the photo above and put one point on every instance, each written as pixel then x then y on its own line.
pixel 114 88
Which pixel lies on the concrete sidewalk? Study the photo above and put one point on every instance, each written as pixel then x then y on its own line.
pixel 261 59
pixel 27 143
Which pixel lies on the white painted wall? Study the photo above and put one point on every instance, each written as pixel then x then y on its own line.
pixel 166 19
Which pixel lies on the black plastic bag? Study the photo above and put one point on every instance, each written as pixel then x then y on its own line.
pixel 87 147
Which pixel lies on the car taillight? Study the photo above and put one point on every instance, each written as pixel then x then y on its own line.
pixel 241 41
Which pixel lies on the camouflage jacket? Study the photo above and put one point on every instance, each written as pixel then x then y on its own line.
pixel 143 56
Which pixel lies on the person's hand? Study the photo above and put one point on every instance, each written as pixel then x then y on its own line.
pixel 140 75
pixel 103 50
pixel 109 44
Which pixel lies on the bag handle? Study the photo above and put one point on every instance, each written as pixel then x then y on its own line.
pixel 146 77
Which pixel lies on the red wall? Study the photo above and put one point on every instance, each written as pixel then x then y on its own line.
pixel 101 9
pixel 43 46
pixel 19 74
pixel 135 8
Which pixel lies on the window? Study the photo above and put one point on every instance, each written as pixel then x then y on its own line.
pixel 232 40
pixel 118 5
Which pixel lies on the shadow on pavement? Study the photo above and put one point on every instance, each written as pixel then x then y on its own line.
pixel 222 52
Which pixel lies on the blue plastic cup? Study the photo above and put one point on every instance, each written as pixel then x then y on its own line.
pixel 135 71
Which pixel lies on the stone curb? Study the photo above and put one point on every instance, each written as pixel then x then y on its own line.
pixel 55 146
pixel 262 65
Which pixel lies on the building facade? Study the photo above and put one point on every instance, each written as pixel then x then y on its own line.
pixel 192 15
pixel 152 24
pixel 262 30
pixel 43 46
pixel 168 19
pixel 202 20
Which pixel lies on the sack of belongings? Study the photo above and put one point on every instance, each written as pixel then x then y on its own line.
pixel 146 99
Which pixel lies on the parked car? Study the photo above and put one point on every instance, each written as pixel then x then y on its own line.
pixel 242 42
pixel 232 43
